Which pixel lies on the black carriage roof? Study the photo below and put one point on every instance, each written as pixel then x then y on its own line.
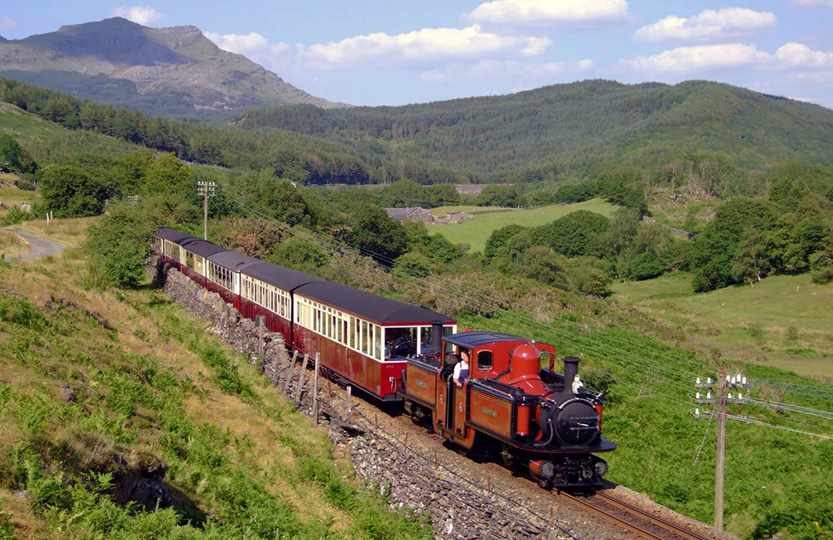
pixel 173 235
pixel 369 306
pixel 203 248
pixel 475 339
pixel 283 278
pixel 232 260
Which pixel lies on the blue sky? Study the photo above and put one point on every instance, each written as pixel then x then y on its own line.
pixel 387 52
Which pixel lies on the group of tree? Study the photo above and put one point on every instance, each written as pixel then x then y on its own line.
pixel 584 251
pixel 14 158
pixel 791 232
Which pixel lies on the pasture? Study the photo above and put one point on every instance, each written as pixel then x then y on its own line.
pixel 783 321
pixel 476 231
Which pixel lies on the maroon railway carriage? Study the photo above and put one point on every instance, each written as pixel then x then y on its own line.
pixel 168 243
pixel 363 338
pixel 224 274
pixel 197 253
pixel 266 289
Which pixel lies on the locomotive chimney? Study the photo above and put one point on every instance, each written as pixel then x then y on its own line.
pixel 436 336
pixel 570 371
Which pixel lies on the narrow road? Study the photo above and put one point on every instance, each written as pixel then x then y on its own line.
pixel 39 247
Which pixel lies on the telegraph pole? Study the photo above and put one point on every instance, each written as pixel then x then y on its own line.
pixel 720 454
pixel 723 396
pixel 206 189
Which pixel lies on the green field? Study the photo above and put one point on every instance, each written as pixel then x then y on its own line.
pixel 475 232
pixel 783 321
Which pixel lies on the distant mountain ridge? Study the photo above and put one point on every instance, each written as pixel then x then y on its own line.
pixel 173 71
pixel 577 128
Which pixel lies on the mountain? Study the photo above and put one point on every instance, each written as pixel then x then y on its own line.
pixel 582 128
pixel 174 71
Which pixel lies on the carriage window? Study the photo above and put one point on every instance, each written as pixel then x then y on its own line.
pixel 484 360
pixel 400 342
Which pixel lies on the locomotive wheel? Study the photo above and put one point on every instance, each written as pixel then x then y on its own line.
pixel 544 483
pixel 507 458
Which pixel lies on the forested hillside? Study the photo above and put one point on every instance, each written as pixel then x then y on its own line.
pixel 579 128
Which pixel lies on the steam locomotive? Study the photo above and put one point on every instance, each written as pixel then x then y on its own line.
pixel 530 417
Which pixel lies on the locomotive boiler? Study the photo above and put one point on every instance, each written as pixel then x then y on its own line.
pixel 531 416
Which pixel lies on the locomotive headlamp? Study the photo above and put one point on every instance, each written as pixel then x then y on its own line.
pixel 601 468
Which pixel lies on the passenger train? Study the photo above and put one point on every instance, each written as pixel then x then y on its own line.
pixel 513 403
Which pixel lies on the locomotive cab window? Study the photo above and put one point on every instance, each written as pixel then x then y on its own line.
pixel 484 360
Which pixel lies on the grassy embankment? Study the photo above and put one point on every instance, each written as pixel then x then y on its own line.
pixel 782 321
pixel 150 387
pixel 476 231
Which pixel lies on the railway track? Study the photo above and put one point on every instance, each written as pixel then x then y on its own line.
pixel 634 518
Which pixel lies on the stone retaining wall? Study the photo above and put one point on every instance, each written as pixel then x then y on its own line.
pixel 459 507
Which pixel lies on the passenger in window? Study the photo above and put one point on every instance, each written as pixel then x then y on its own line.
pixel 461 369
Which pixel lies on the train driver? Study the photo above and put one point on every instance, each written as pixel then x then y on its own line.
pixel 461 369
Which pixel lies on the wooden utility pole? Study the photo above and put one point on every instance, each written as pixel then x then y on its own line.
pixel 720 457
pixel 206 189
pixel 722 387
pixel 315 389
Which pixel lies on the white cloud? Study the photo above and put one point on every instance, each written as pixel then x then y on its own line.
pixel 143 15
pixel 707 25
pixel 508 70
pixel 795 57
pixel 701 57
pixel 799 55
pixel 813 3
pixel 424 45
pixel 537 12
pixel 420 46
pixel 7 23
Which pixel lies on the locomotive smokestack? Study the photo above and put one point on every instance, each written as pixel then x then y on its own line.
pixel 570 371
pixel 436 336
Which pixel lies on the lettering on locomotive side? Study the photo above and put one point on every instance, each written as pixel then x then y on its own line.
pixel 421 383
pixel 488 411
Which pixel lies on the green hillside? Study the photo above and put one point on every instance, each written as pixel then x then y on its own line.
pixel 122 418
pixel 579 127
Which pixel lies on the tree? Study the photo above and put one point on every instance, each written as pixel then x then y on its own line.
pixel 575 234
pixel 300 254
pixel 167 174
pixel 508 196
pixel 119 246
pixel 413 264
pixel 542 264
pixel 377 235
pixel 499 238
pixel 70 191
pixel 13 157
pixel 713 252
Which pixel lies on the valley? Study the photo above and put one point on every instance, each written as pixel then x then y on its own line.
pixel 659 232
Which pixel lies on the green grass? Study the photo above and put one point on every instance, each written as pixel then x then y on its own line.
pixel 444 210
pixel 775 480
pixel 783 321
pixel 156 388
pixel 476 231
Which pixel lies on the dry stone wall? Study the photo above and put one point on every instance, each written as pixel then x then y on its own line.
pixel 459 507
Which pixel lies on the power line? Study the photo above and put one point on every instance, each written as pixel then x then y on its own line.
pixel 791 407
pixel 755 421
